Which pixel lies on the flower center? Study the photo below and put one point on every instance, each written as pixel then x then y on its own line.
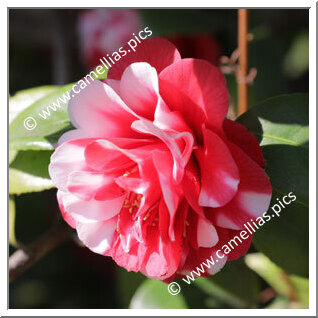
pixel 132 201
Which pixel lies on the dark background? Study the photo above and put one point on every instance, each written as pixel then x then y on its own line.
pixel 44 49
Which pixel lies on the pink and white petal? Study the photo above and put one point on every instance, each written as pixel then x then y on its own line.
pixel 205 259
pixel 218 265
pixel 168 120
pixel 107 155
pixel 147 127
pixel 73 134
pixel 185 142
pixel 240 136
pixel 157 52
pixel 135 185
pixel 151 197
pixel 206 233
pixel 191 187
pixel 198 90
pixel 92 185
pixel 164 221
pixel 139 89
pixel 66 216
pixel 219 172
pixel 203 262
pixel 104 157
pixel 126 229
pixel 114 84
pixel 162 259
pixel 171 192
pixel 253 196
pixel 68 157
pixel 99 111
pixel 131 261
pixel 97 236
pixel 93 210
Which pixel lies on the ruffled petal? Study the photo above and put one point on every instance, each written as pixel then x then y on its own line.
pixel 191 187
pixel 207 235
pixel 168 120
pixel 139 89
pixel 253 196
pixel 157 52
pixel 99 111
pixel 162 258
pixel 66 216
pixel 219 172
pixel 93 185
pixel 93 210
pixel 240 136
pixel 68 157
pixel 205 261
pixel 241 247
pixel 198 90
pixel 97 236
pixel 170 191
pixel 179 159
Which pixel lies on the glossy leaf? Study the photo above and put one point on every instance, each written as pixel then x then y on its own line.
pixel 281 126
pixel 50 123
pixel 29 172
pixel 23 99
pixel 279 120
pixel 154 294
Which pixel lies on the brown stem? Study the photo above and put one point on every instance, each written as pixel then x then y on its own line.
pixel 24 257
pixel 243 60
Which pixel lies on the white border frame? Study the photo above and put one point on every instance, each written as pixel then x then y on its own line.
pixel 312 164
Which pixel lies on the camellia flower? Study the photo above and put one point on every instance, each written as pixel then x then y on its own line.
pixel 103 31
pixel 154 175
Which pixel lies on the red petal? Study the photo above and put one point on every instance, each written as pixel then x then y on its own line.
pixel 219 173
pixel 242 248
pixel 157 52
pixel 252 198
pixel 198 90
pixel 240 136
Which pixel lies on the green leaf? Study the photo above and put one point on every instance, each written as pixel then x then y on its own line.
pixel 154 294
pixel 38 143
pixel 102 69
pixel 27 97
pixel 302 287
pixel 227 285
pixel 281 126
pixel 290 286
pixel 12 238
pixel 47 131
pixel 279 120
pixel 12 155
pixel 29 172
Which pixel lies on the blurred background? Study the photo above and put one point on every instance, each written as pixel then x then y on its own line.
pixel 58 46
